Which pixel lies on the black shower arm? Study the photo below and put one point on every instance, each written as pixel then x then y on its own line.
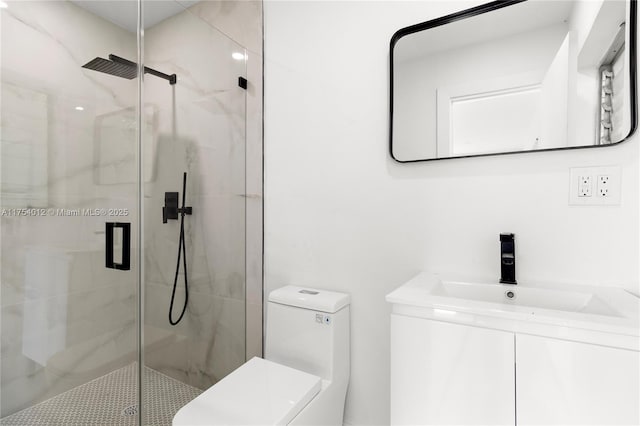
pixel 171 78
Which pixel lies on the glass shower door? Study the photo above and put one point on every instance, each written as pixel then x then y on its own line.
pixel 69 214
pixel 195 127
pixel 88 166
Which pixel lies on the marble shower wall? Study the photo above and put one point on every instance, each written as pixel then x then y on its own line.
pixel 209 127
pixel 65 318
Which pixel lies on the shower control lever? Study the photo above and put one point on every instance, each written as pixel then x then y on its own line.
pixel 171 209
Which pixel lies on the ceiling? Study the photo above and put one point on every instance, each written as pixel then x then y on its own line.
pixel 499 23
pixel 124 13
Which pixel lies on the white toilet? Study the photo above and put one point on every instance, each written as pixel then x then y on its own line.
pixel 303 377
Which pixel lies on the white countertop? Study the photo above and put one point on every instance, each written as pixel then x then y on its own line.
pixel 592 314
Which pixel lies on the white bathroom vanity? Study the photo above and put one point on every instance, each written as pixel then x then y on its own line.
pixel 481 353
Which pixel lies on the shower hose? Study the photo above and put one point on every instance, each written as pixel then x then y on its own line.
pixel 182 252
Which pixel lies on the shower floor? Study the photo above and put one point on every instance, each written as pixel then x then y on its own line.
pixel 110 400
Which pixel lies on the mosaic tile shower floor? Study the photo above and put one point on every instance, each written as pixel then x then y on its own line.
pixel 109 400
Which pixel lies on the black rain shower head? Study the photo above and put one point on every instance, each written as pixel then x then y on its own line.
pixel 124 68
pixel 113 68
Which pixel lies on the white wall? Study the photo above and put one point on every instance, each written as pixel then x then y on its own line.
pixel 340 214
pixel 555 99
pixel 506 62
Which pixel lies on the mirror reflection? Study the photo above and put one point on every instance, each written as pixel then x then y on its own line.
pixel 512 77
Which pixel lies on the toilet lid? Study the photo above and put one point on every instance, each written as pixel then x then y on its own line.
pixel 260 392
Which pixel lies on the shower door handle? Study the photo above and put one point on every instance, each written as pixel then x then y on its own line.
pixel 123 261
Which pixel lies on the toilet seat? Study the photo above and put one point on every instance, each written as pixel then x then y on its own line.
pixel 260 392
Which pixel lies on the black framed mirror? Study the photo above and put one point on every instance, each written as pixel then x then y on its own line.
pixel 514 76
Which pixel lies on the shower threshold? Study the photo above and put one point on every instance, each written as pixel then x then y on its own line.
pixel 110 400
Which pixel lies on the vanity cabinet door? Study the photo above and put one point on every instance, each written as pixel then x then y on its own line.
pixel 565 383
pixel 443 373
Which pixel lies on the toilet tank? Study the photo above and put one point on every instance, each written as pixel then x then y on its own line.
pixel 308 329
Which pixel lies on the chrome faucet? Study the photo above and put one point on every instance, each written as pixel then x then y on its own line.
pixel 507 259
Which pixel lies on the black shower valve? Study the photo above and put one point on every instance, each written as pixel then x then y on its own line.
pixel 171 209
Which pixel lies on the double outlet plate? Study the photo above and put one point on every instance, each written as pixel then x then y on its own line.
pixel 594 186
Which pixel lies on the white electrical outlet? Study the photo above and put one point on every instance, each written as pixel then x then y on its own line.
pixel 603 184
pixel 594 186
pixel 584 186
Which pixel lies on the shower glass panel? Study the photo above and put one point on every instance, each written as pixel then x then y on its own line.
pixel 69 167
pixel 197 127
pixel 122 208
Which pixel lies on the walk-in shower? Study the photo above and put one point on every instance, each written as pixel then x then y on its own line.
pixel 90 144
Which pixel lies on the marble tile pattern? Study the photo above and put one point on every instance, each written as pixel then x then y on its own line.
pixel 24 147
pixel 241 20
pixel 204 124
pixel 65 318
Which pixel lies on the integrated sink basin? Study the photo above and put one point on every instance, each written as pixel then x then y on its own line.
pixel 510 295
pixel 588 313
